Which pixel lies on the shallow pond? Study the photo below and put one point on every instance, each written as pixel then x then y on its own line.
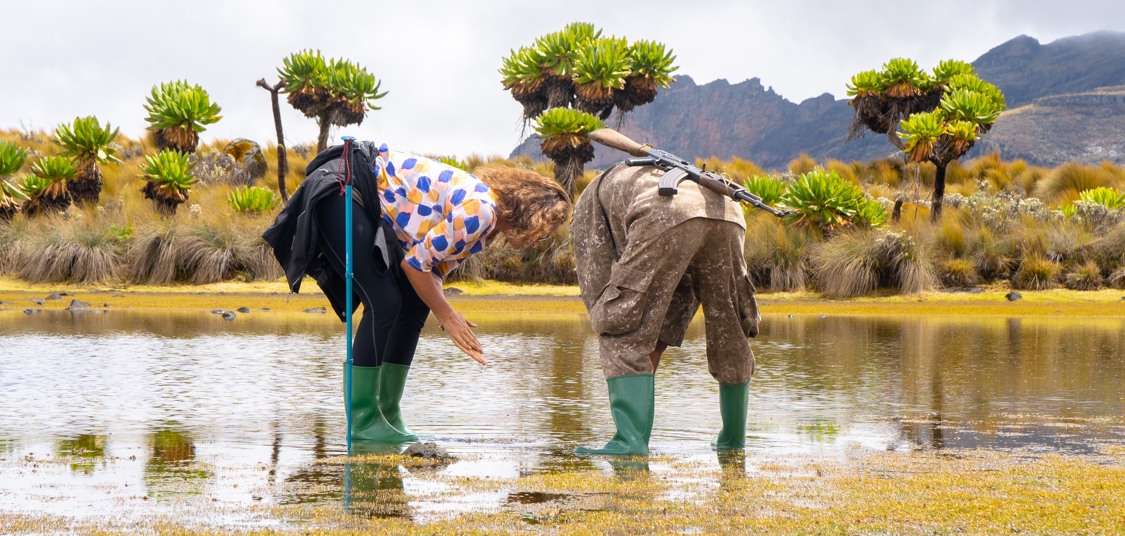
pixel 170 413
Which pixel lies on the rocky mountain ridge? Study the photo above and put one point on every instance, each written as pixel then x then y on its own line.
pixel 1065 103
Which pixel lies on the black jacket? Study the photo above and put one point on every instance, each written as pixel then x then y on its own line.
pixel 293 235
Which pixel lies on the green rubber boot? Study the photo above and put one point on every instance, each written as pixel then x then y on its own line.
pixel 733 403
pixel 632 399
pixel 392 382
pixel 368 422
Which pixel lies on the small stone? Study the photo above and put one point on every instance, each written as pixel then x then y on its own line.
pixel 256 497
pixel 1013 296
pixel 229 315
pixel 217 311
pixel 64 293
pixel 105 304
pixel 453 291
pixel 37 301
pixel 790 316
pixel 28 311
pixel 55 296
pixel 244 310
pixel 2 302
pixel 265 308
pixel 822 316
pixel 429 451
pixel 76 304
pixel 317 310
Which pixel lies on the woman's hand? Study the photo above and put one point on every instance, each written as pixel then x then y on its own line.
pixel 428 287
pixel 461 331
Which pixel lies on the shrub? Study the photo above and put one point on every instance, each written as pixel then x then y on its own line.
pixel 847 265
pixel 168 179
pixel 1085 277
pixel 1117 279
pixel 1066 181
pixel 826 201
pixel 1110 198
pixel 82 253
pixel 767 188
pixel 1036 273
pixel 178 112
pixel 252 199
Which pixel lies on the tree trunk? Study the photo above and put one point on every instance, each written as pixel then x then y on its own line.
pixel 896 214
pixel 282 156
pixel 939 193
pixel 322 140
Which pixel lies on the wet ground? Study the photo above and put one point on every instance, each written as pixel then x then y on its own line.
pixel 123 417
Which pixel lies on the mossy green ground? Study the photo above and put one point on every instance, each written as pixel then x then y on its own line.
pixel 860 492
pixel 492 296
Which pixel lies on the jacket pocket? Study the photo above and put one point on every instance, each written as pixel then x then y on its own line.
pixel 622 304
pixel 748 307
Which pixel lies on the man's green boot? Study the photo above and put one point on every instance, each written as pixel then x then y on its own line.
pixel 368 422
pixel 392 382
pixel 632 400
pixel 733 403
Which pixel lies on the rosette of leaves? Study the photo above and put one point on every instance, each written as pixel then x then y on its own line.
pixel 46 187
pixel 252 199
pixel 650 68
pixel 523 78
pixel 563 132
pixel 932 118
pixel 1110 198
pixel 12 158
pixel 87 143
pixel 334 92
pixel 822 200
pixel 559 52
pixel 178 112
pixel 168 179
pixel 599 71
pixel 767 188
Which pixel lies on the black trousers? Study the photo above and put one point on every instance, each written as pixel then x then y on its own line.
pixel 393 314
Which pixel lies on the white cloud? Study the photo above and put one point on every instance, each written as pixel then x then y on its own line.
pixel 438 60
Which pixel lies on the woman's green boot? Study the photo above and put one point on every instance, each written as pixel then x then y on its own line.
pixel 632 400
pixel 734 401
pixel 392 382
pixel 368 422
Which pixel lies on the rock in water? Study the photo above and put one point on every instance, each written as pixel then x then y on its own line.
pixel 28 311
pixel 249 154
pixel 229 315
pixel 55 296
pixel 37 301
pixel 75 304
pixel 429 451
pixel 217 311
pixel 1013 296
pixel 244 310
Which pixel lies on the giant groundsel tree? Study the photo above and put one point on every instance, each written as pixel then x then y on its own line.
pixel 931 117
pixel 590 75
pixel 334 92
pixel 88 144
pixel 178 112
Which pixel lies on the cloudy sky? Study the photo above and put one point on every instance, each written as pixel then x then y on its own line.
pixel 438 59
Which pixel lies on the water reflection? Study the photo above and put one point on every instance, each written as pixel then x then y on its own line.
pixel 198 401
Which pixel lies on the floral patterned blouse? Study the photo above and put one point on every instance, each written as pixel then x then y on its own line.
pixel 441 214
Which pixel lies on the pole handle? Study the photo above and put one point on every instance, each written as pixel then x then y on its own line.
pixel 616 140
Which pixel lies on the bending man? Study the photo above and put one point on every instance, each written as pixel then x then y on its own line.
pixel 645 265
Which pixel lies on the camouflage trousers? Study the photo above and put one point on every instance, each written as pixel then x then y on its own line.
pixel 658 284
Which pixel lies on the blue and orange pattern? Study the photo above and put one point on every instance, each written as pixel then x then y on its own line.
pixel 441 214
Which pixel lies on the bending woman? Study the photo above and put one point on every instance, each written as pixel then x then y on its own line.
pixel 414 221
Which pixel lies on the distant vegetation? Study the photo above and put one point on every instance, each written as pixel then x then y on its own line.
pixel 571 80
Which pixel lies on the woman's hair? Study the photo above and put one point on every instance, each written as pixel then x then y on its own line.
pixel 532 203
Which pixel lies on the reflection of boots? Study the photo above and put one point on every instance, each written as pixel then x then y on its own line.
pixel 392 381
pixel 368 422
pixel 733 402
pixel 631 400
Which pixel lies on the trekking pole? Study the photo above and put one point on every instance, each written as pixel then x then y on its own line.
pixel 349 263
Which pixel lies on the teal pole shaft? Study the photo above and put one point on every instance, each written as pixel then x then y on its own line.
pixel 349 262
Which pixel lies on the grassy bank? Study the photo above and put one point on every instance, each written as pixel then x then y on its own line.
pixel 500 297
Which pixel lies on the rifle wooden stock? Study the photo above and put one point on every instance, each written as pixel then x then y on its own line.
pixel 616 140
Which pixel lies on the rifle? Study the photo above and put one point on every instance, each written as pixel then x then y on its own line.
pixel 677 170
